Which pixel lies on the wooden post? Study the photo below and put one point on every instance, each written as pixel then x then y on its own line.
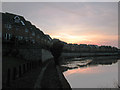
pixel 24 68
pixel 20 71
pixel 30 66
pixel 40 62
pixel 27 66
pixel 33 64
pixel 14 73
pixel 8 77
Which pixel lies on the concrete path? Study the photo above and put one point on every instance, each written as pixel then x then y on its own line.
pixel 48 78
pixel 51 77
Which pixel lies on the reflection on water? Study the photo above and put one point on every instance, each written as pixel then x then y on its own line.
pixel 93 72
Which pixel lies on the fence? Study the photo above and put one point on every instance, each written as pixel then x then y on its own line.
pixel 19 71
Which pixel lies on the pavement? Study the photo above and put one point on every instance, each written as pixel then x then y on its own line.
pixel 47 76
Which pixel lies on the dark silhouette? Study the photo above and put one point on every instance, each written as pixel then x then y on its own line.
pixel 56 50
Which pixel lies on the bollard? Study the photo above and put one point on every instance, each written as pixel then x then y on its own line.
pixel 20 71
pixel 14 73
pixel 8 77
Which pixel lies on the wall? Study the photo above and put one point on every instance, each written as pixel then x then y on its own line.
pixel 46 55
pixel 85 54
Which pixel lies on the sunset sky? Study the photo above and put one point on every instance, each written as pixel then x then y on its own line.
pixel 75 22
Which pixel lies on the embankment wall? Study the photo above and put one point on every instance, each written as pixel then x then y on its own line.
pixel 67 55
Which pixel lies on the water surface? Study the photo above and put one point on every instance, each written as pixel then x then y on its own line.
pixel 93 72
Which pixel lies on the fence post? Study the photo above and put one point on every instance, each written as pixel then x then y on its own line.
pixel 27 66
pixel 14 73
pixel 24 68
pixel 20 72
pixel 8 77
pixel 40 63
pixel 30 66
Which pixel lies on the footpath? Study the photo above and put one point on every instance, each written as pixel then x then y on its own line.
pixel 47 76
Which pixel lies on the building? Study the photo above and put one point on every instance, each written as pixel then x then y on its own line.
pixel 16 28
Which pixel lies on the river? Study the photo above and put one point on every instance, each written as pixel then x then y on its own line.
pixel 91 72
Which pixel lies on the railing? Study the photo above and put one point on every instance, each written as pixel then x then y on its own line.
pixel 19 71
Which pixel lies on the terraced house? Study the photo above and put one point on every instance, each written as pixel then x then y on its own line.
pixel 16 28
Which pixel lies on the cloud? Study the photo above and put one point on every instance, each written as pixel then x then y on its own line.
pixel 71 21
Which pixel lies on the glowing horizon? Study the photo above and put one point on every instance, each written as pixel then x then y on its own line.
pixel 85 39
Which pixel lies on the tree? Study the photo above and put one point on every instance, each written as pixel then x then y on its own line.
pixel 56 50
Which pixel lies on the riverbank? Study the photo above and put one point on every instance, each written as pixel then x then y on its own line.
pixel 86 54
pixel 51 77
pixel 47 76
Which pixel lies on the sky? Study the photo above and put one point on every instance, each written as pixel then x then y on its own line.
pixel 72 22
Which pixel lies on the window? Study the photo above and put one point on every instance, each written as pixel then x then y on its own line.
pixel 26 30
pixel 21 37
pixel 33 41
pixel 16 36
pixel 8 36
pixel 8 26
pixel 26 38
pixel 17 28
pixel 17 19
pixel 38 36
pixel 33 33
